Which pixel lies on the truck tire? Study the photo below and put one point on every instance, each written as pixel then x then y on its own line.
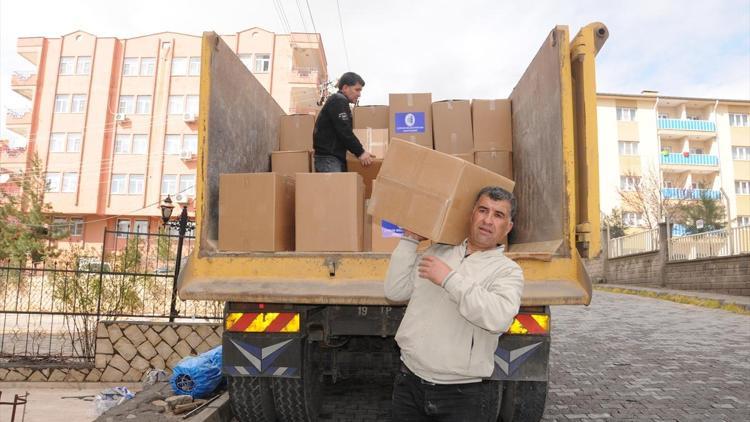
pixel 251 399
pixel 523 401
pixel 298 399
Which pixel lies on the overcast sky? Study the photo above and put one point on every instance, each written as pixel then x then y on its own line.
pixel 461 49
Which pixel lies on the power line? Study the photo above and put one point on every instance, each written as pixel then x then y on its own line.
pixel 299 9
pixel 343 38
pixel 311 16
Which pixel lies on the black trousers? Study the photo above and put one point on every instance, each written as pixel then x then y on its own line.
pixel 417 400
pixel 328 164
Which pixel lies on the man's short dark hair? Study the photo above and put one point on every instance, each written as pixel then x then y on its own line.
pixel 350 79
pixel 497 193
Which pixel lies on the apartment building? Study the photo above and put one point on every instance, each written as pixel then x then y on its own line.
pixel 692 146
pixel 114 121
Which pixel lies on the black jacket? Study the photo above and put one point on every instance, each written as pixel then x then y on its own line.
pixel 333 129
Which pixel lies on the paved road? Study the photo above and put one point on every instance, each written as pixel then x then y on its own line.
pixel 622 358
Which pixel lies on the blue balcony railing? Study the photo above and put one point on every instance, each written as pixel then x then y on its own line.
pixel 676 193
pixel 691 159
pixel 687 124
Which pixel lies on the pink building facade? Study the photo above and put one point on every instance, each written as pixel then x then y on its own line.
pixel 114 121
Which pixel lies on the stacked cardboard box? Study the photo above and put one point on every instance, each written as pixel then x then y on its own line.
pixel 452 126
pixel 295 145
pixel 410 118
pixel 373 117
pixel 493 135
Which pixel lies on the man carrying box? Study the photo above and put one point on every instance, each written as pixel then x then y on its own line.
pixel 333 134
pixel 461 299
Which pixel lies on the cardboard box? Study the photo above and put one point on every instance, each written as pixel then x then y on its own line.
pixel 369 173
pixel 383 236
pixel 373 116
pixel 429 192
pixel 375 141
pixel 410 118
pixel 500 162
pixel 256 212
pixel 491 120
pixel 330 212
pixel 469 156
pixel 451 125
pixel 289 163
pixel 296 132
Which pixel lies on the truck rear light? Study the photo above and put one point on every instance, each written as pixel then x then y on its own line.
pixel 530 324
pixel 262 322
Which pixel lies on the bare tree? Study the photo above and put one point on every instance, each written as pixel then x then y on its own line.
pixel 643 194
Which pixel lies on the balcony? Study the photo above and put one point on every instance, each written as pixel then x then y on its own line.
pixel 682 159
pixel 677 193
pixel 305 76
pixel 23 83
pixel 686 125
pixel 19 121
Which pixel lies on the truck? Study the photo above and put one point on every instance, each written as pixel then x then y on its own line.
pixel 291 317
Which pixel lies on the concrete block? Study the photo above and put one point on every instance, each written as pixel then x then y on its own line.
pixel 170 336
pixel 119 363
pixel 183 348
pixel 147 350
pixel 135 335
pixel 115 333
pixel 111 375
pixel 193 339
pixel 125 348
pixel 104 346
pixel 164 349
pixel 184 330
pixel 140 364
pixel 153 337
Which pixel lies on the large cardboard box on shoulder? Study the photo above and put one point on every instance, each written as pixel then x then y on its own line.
pixel 296 132
pixel 372 116
pixel 383 236
pixel 289 163
pixel 410 118
pixel 451 125
pixel 329 212
pixel 374 141
pixel 256 212
pixel 428 192
pixel 491 121
pixel 500 162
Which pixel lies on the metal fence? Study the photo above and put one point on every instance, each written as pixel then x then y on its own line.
pixel 717 243
pixel 632 244
pixel 49 311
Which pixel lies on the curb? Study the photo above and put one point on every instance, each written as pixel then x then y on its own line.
pixel 703 300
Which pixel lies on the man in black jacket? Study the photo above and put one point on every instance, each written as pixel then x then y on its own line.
pixel 333 134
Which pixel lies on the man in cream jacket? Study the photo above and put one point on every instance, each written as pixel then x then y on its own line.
pixel 461 299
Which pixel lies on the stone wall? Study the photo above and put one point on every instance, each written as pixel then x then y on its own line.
pixel 125 351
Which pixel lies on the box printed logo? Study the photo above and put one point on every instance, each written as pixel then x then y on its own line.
pixel 412 122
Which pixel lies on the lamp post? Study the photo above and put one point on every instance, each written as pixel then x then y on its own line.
pixel 166 212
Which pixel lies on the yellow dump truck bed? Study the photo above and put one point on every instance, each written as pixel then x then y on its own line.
pixel 556 172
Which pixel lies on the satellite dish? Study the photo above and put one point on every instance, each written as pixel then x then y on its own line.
pixel 699 224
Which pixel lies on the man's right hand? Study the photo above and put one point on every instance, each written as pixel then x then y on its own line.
pixel 412 235
pixel 365 159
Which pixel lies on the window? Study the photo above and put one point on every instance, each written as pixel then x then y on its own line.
pixel 69 182
pixel 194 67
pixel 141 226
pixel 632 219
pixel 148 65
pixel 176 104
pixel 738 120
pixel 663 115
pixel 119 185
pixel 126 104
pixel 187 184
pixel 66 65
pixel 697 185
pixel 629 183
pixel 52 182
pixel 696 150
pixel 668 184
pixel 143 104
pixel 74 142
pixel 76 226
pixel 741 153
pixel 78 103
pixel 179 66
pixel 190 143
pixel 130 66
pixel 123 226
pixel 693 117
pixel 122 144
pixel 169 184
pixel 62 103
pixel 742 187
pixel 667 149
pixel 57 142
pixel 135 184
pixel 247 60
pixel 625 114
pixel 628 148
pixel 191 104
pixel 172 145
pixel 140 144
pixel 59 225
pixel 743 220
pixel 83 65
pixel 262 63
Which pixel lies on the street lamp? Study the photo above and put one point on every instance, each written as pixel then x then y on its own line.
pixel 181 225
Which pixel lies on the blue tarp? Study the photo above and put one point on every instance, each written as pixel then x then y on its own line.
pixel 198 376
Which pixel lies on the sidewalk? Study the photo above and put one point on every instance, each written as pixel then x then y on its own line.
pixel 713 300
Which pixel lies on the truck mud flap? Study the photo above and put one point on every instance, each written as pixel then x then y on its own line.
pixel 262 355
pixel 522 358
